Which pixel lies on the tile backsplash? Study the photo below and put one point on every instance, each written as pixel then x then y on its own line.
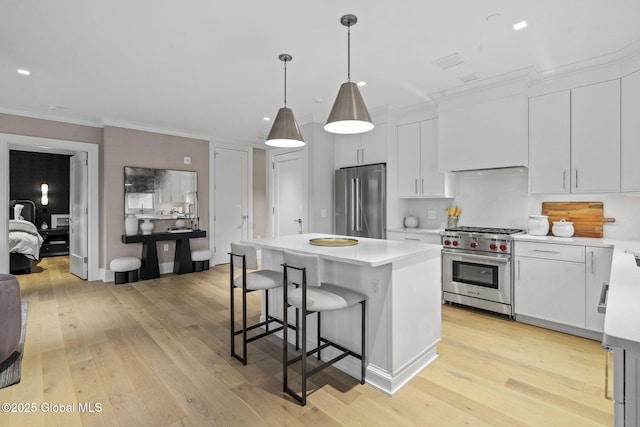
pixel 499 198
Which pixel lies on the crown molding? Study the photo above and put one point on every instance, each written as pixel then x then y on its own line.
pixel 48 116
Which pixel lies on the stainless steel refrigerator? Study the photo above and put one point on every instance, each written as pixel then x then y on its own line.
pixel 360 201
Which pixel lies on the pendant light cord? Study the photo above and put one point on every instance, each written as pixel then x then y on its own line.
pixel 285 83
pixel 349 52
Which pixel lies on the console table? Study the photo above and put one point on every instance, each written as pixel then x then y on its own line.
pixel 181 260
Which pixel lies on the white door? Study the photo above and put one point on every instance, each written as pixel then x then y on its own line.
pixel 231 193
pixel 79 211
pixel 289 202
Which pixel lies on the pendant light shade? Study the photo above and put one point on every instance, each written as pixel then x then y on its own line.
pixel 285 131
pixel 349 114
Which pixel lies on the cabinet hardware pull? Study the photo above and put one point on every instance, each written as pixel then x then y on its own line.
pixel 593 265
pixel 411 238
pixel 564 179
pixel 576 178
pixel 422 185
pixel 362 155
pixel 602 302
pixel 518 269
pixel 416 186
pixel 546 252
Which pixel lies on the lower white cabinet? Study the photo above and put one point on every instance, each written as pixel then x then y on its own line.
pixel 550 290
pixel 626 388
pixel 433 239
pixel 558 286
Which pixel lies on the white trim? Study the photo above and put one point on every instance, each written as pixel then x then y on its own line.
pixel 8 142
pixel 153 129
pixel 4 109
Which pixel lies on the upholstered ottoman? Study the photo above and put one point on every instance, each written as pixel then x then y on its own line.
pixel 126 269
pixel 200 259
pixel 10 315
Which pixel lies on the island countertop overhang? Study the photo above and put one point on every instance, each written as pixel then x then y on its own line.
pixel 370 252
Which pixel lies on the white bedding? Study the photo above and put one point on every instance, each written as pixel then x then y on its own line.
pixel 24 239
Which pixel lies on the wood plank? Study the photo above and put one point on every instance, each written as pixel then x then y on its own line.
pixel 587 217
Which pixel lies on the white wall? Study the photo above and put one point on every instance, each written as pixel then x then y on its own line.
pixel 499 198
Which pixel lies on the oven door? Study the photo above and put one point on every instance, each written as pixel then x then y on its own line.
pixel 486 277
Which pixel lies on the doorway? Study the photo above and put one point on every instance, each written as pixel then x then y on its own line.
pixel 231 200
pixel 289 201
pixel 10 142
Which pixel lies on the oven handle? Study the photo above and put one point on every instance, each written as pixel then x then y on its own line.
pixel 476 256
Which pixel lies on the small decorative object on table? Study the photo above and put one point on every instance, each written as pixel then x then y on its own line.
pixel 410 222
pixel 146 227
pixel 131 225
pixel 333 241
pixel 453 214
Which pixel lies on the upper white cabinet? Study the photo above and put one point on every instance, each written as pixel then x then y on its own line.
pixel 595 138
pixel 362 149
pixel 418 174
pixel 631 132
pixel 480 132
pixel 574 140
pixel 550 143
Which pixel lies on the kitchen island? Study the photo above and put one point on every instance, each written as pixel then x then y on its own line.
pixel 402 283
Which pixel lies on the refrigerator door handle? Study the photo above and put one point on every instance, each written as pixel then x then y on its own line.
pixel 352 200
pixel 358 203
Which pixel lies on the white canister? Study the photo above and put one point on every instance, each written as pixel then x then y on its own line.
pixel 562 228
pixel 131 225
pixel 538 225
pixel 410 221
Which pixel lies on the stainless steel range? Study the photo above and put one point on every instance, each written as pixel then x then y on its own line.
pixel 476 267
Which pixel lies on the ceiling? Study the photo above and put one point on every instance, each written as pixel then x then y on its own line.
pixel 211 68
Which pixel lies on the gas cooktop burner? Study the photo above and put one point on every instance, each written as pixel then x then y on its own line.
pixel 486 230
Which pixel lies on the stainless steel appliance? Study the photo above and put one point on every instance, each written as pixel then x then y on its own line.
pixel 360 201
pixel 477 269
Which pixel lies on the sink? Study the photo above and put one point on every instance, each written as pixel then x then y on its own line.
pixel 636 255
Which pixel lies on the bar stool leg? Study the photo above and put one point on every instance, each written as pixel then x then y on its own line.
pixel 319 329
pixel 363 348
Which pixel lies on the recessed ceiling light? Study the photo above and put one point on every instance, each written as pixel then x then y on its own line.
pixel 24 72
pixel 317 99
pixel 469 77
pixel 520 25
pixel 266 119
pixel 55 107
pixel 361 83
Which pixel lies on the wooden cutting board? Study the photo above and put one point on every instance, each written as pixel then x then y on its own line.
pixel 587 217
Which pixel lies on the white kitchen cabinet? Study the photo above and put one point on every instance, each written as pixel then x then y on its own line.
pixel 626 388
pixel 433 239
pixel 574 140
pixel 418 174
pixel 630 132
pixel 550 143
pixel 361 149
pixel 482 134
pixel 550 290
pixel 598 271
pixel 595 138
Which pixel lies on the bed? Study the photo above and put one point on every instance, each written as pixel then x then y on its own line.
pixel 24 239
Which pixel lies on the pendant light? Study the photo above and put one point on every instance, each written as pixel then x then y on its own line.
pixel 285 131
pixel 349 115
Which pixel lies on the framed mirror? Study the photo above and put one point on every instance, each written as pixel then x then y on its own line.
pixel 160 193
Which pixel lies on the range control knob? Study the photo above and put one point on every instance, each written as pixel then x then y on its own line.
pixel 447 242
pixel 503 247
pixel 455 243
pixel 473 244
pixel 493 246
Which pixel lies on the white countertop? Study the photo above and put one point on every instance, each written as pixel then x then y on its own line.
pixel 371 252
pixel 622 319
pixel 433 231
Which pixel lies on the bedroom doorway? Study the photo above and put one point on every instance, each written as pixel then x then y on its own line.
pixel 87 255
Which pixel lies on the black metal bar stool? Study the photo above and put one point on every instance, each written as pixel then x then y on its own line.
pixel 259 280
pixel 310 295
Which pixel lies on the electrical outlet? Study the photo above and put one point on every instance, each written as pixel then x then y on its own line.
pixel 165 247
pixel 187 160
pixel 431 214
pixel 376 286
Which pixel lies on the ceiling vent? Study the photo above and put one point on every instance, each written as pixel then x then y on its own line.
pixel 468 77
pixel 449 61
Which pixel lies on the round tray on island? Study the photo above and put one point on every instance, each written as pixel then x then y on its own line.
pixel 333 241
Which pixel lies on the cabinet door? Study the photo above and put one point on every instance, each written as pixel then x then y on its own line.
pixel 595 138
pixel 631 388
pixel 631 132
pixel 433 183
pixel 550 143
pixel 598 272
pixel 374 145
pixel 347 150
pixel 550 290
pixel 409 160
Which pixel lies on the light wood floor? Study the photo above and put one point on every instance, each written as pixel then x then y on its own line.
pixel 156 353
